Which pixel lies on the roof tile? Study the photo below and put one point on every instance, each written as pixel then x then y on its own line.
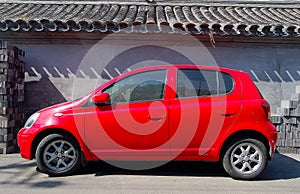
pixel 223 19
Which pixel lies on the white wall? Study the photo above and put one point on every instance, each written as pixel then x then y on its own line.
pixel 57 72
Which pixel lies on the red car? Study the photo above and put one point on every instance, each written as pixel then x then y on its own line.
pixel 162 113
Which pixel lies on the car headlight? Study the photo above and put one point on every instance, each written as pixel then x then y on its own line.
pixel 31 120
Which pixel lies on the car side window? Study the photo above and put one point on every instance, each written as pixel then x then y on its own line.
pixel 195 82
pixel 145 86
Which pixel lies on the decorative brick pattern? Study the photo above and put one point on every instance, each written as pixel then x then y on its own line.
pixel 287 120
pixel 11 96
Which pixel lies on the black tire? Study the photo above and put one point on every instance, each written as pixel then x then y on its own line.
pixel 58 155
pixel 245 159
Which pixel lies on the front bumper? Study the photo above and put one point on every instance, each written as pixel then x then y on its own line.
pixel 24 143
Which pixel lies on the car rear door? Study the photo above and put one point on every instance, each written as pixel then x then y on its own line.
pixel 207 103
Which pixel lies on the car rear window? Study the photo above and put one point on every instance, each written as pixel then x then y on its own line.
pixel 195 82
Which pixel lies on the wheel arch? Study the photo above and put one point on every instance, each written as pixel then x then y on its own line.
pixel 38 138
pixel 244 134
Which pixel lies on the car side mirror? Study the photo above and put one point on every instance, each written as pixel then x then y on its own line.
pixel 101 98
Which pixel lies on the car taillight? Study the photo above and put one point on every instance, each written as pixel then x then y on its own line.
pixel 266 107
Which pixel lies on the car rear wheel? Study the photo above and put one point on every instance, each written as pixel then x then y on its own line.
pixel 245 159
pixel 58 155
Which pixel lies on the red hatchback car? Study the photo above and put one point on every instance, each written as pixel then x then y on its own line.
pixel 163 113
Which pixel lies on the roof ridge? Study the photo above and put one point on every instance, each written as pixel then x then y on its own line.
pixel 204 3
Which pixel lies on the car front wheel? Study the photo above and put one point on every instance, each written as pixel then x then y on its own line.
pixel 58 155
pixel 245 159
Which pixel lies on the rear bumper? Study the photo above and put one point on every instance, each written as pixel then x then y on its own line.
pixel 272 143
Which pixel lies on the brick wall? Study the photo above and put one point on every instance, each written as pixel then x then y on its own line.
pixel 287 120
pixel 11 95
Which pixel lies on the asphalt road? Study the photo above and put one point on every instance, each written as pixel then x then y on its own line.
pixel 18 175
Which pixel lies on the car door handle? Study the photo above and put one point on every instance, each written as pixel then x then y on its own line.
pixel 157 118
pixel 227 114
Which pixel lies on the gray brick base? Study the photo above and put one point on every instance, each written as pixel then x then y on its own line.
pixel 287 120
pixel 11 96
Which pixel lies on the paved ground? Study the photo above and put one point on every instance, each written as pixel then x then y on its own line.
pixel 20 176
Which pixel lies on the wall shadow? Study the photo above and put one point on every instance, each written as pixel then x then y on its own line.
pixel 40 94
pixel 16 172
pixel 274 69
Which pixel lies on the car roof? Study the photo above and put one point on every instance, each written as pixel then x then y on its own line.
pixel 189 66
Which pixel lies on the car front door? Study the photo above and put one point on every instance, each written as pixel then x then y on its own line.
pixel 135 121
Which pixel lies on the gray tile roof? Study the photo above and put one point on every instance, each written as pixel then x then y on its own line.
pixel 235 18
